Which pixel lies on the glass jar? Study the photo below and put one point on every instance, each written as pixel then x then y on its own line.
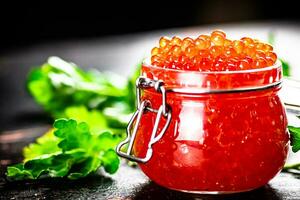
pixel 208 132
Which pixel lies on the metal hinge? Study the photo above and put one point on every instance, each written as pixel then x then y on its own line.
pixel 142 107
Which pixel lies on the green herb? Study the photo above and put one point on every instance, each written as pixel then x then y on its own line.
pixel 285 67
pixel 75 152
pixel 57 85
pixel 295 138
pixel 105 101
pixel 46 144
pixel 295 143
pixel 289 167
pixel 95 108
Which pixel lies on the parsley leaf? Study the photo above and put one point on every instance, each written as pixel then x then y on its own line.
pixel 94 109
pixel 295 138
pixel 58 84
pixel 285 67
pixel 78 153
pixel 46 144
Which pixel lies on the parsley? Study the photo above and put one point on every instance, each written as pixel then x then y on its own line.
pixel 295 143
pixel 78 152
pixel 92 110
pixel 285 67
pixel 295 138
pixel 58 84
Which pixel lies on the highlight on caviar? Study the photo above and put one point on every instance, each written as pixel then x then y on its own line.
pixel 213 52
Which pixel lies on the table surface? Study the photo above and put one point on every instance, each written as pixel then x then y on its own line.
pixel 21 120
pixel 128 183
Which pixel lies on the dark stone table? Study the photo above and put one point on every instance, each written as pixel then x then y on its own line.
pixel 21 120
pixel 130 183
pixel 127 183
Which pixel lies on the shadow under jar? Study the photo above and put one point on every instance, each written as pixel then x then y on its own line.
pixel 220 132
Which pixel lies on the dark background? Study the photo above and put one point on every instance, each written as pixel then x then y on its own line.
pixel 80 32
pixel 25 24
pixel 77 31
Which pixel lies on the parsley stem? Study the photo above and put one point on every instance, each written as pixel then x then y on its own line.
pixel 292 166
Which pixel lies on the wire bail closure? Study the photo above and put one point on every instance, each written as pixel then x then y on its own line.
pixel 142 107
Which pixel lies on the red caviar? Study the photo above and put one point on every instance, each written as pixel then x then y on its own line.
pixel 216 45
pixel 216 142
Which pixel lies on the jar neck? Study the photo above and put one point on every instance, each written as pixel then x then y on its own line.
pixel 272 91
pixel 215 82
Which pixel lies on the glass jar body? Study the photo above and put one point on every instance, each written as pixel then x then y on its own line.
pixel 216 143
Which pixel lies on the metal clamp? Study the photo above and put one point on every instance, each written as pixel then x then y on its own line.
pixel 142 107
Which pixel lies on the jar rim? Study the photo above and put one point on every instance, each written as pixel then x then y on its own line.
pixel 215 81
pixel 277 64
